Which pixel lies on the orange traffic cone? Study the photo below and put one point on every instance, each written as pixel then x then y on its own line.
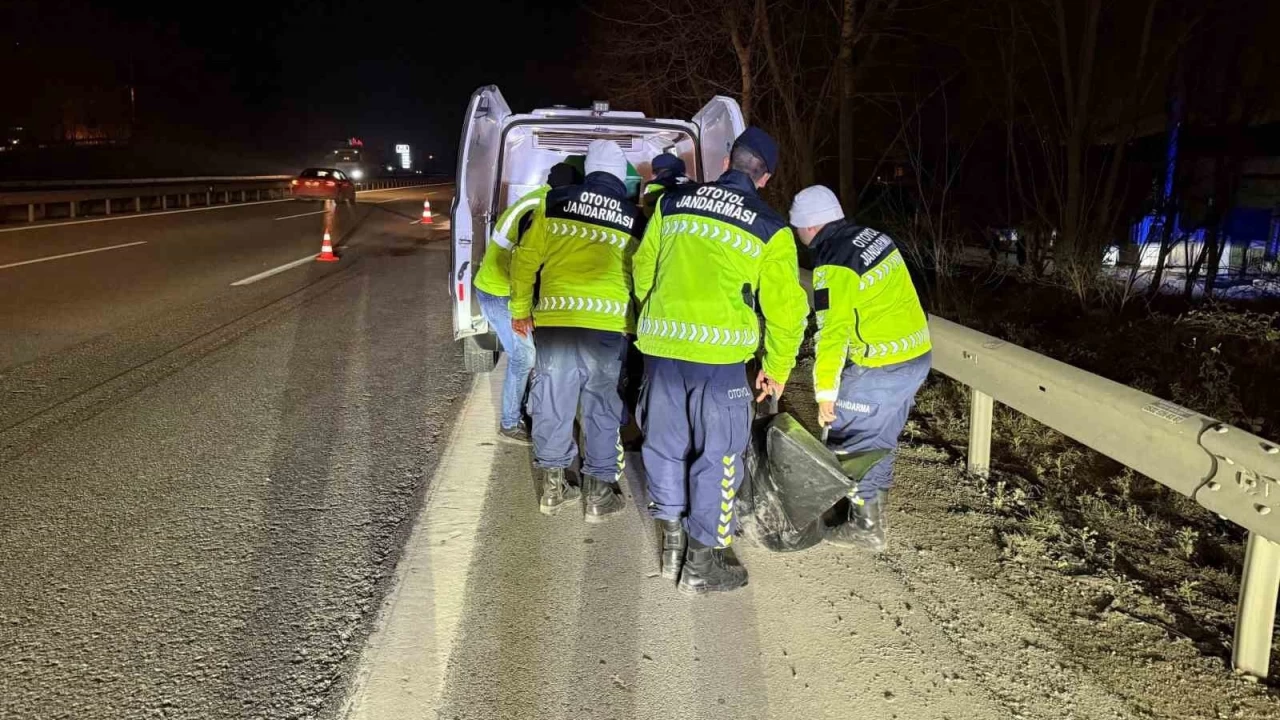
pixel 426 212
pixel 326 250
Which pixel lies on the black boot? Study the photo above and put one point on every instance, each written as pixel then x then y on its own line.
pixel 600 499
pixel 673 542
pixel 866 526
pixel 707 570
pixel 555 492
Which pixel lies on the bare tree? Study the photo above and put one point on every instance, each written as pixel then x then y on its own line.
pixel 859 22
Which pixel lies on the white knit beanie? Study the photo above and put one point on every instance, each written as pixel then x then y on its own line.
pixel 606 156
pixel 815 205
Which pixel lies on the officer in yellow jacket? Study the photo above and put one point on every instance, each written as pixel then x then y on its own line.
pixel 710 251
pixel 872 348
pixel 493 290
pixel 578 249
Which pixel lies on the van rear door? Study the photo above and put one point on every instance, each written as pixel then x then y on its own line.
pixel 719 124
pixel 473 202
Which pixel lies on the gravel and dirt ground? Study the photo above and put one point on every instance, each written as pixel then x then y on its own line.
pixel 1045 591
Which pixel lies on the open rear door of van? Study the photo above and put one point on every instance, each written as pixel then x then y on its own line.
pixel 473 209
pixel 719 124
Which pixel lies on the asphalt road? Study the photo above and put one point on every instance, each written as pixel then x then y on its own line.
pixel 285 499
pixel 205 486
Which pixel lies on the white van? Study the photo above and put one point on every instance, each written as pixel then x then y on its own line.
pixel 503 156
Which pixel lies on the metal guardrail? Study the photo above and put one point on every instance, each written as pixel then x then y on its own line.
pixel 1229 471
pixel 63 199
pixel 37 184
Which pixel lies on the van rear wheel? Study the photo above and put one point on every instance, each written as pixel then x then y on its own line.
pixel 479 353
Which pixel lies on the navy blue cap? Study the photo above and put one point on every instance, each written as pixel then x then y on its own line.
pixel 759 142
pixel 564 174
pixel 666 162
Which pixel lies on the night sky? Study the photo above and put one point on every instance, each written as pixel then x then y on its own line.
pixel 286 75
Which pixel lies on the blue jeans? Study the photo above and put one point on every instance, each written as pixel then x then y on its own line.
pixel 871 411
pixel 520 355
pixel 577 373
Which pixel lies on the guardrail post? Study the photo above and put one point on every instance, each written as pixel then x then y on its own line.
pixel 31 212
pixel 208 198
pixel 137 204
pixel 108 206
pixel 981 407
pixel 187 199
pixel 73 208
pixel 1256 612
pixel 164 202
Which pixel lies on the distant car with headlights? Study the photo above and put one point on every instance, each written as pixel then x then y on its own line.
pixel 350 159
pixel 323 184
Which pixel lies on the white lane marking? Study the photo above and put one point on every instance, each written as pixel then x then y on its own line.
pixel 73 254
pixel 402 668
pixel 136 216
pixel 273 271
pixel 290 217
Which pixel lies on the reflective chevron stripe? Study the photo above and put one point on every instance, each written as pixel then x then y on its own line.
pixel 729 237
pixel 702 334
pixel 622 460
pixel 587 232
pixel 901 345
pixel 724 529
pixel 881 271
pixel 561 302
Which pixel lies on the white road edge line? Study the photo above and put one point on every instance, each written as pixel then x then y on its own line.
pixel 403 666
pixel 290 217
pixel 72 254
pixel 273 271
pixel 136 216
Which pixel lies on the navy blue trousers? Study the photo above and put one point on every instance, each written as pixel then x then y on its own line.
pixel 871 410
pixel 696 420
pixel 577 369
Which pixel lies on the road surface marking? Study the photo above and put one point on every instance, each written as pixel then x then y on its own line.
pixel 290 217
pixel 135 216
pixel 403 666
pixel 72 254
pixel 273 271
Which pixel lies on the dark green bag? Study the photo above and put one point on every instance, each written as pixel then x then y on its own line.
pixel 794 483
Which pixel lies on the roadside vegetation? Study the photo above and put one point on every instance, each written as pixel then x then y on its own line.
pixel 1164 560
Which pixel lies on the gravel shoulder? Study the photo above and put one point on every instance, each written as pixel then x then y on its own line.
pixel 1053 620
